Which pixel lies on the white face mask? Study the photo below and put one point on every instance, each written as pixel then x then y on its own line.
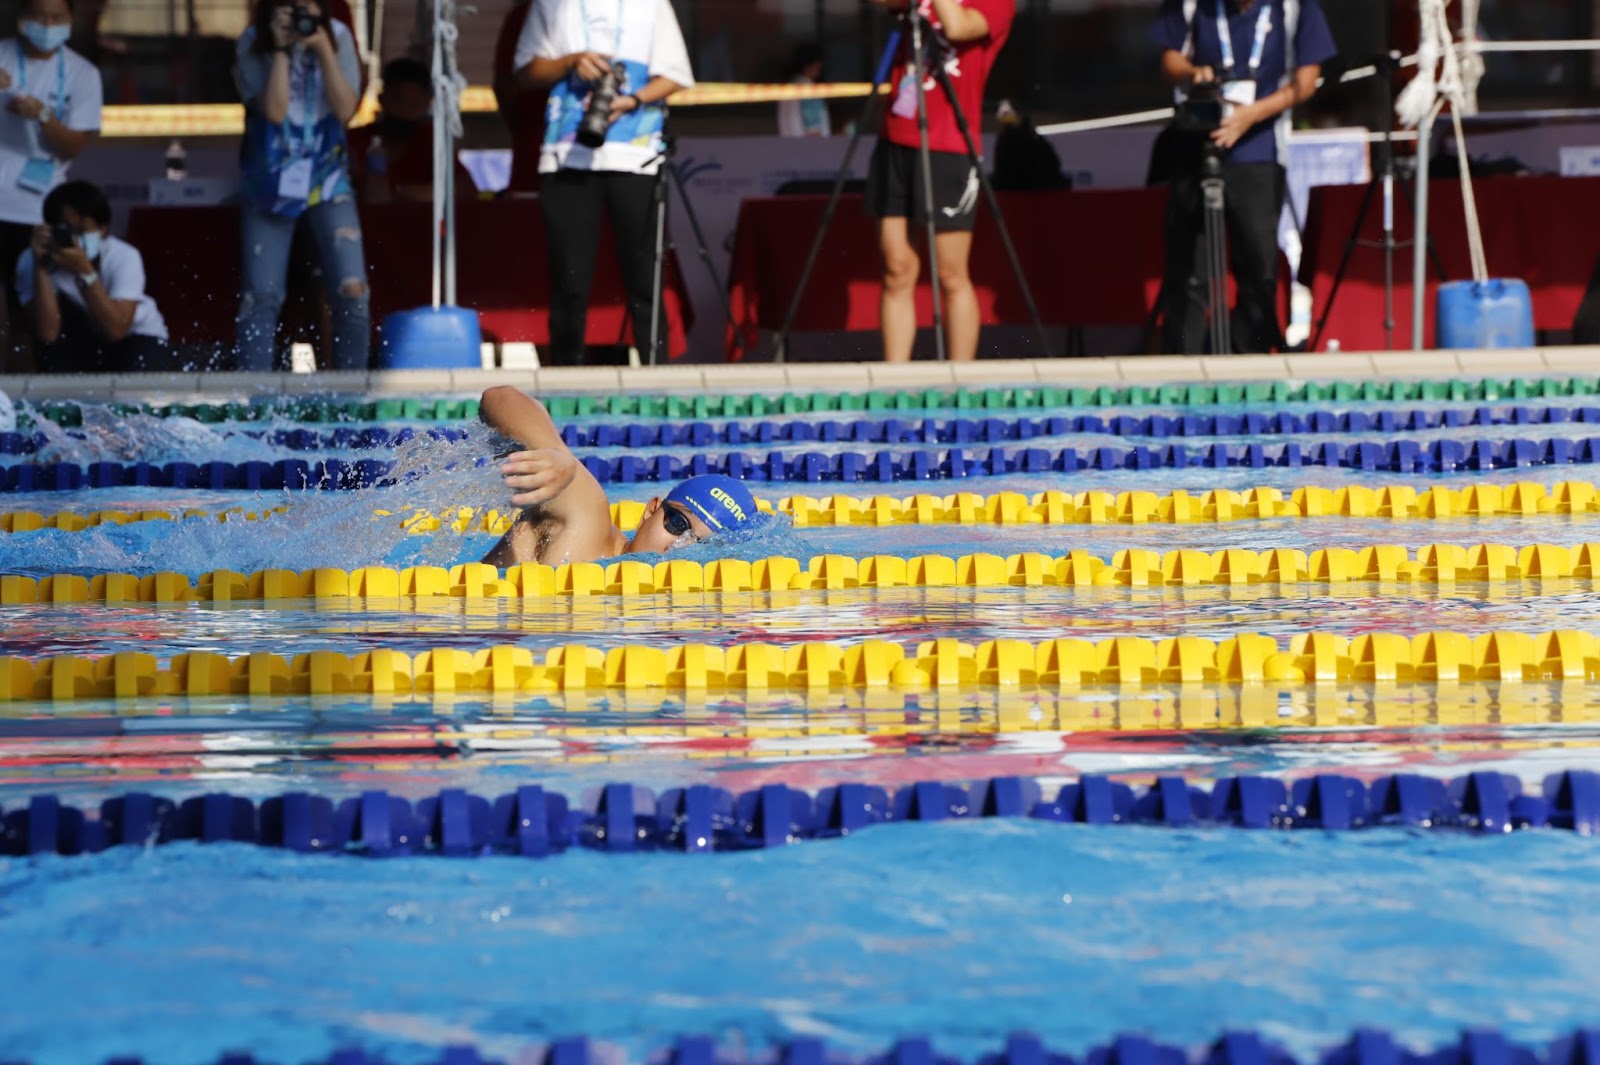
pixel 91 243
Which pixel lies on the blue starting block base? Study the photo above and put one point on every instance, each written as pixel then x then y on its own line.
pixel 431 338
pixel 1497 313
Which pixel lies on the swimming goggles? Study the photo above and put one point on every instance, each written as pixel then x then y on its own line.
pixel 676 522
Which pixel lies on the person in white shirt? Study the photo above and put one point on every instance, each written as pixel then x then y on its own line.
pixel 805 118
pixel 571 45
pixel 83 290
pixel 51 112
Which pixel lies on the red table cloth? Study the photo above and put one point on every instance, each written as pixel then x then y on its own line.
pixel 191 258
pixel 1540 229
pixel 1092 257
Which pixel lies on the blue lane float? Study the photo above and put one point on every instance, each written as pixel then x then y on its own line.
pixel 815 467
pixel 953 431
pixel 1364 1047
pixel 626 818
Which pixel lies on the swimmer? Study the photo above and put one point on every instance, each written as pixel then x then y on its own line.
pixel 565 516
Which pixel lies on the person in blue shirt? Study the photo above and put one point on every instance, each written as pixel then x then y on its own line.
pixel 300 90
pixel 1265 57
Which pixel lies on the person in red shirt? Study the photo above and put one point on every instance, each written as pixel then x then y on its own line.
pixel 391 158
pixel 967 35
pixel 521 107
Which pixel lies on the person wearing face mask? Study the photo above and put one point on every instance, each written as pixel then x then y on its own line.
pixel 51 97
pixel 391 158
pixel 298 76
pixel 83 290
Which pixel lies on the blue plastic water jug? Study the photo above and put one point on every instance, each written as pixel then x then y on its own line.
pixel 431 338
pixel 1497 313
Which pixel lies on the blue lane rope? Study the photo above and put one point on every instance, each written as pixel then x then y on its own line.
pixel 813 467
pixel 960 431
pixel 533 822
pixel 1365 1047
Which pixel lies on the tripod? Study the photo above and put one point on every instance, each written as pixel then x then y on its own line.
pixel 668 173
pixel 1214 202
pixel 1383 185
pixel 914 20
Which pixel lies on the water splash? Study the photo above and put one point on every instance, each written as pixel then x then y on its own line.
pixel 8 414
pixel 320 528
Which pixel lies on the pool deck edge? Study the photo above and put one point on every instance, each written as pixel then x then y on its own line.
pixel 735 377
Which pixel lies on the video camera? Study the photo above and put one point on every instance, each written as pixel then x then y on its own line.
pixel 1201 109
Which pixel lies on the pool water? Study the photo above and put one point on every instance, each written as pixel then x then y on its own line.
pixel 960 931
pixel 968 931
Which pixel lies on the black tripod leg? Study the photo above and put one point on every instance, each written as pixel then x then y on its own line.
pixel 701 249
pixel 657 293
pixel 943 77
pixel 1350 246
pixel 868 114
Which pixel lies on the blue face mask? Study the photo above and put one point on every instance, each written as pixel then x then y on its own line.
pixel 90 242
pixel 45 38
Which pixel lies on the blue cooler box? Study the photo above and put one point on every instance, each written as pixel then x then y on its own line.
pixel 431 338
pixel 1497 313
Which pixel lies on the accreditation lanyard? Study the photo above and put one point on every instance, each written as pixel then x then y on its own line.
pixel 61 77
pixel 588 45
pixel 1225 36
pixel 305 82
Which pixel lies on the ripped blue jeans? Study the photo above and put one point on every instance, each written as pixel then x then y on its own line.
pixel 336 230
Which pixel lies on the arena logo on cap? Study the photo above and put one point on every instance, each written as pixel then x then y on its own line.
pixel 728 501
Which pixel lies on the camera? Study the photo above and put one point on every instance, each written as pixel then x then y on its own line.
pixel 597 116
pixel 62 237
pixel 1201 109
pixel 302 21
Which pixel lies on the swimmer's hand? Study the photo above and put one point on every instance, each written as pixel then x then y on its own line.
pixel 536 477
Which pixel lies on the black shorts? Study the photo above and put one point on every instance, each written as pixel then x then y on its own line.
pixel 894 187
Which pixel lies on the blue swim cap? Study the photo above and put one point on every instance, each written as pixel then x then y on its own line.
pixel 721 502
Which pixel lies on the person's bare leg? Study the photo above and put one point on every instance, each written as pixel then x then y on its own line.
pixel 960 299
pixel 898 307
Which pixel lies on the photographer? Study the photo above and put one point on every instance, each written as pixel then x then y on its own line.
pixel 967 36
pixel 610 68
pixel 52 99
pixel 1240 66
pixel 85 290
pixel 298 74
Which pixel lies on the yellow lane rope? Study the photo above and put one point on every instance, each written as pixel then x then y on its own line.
pixel 1399 502
pixel 1435 564
pixel 1317 658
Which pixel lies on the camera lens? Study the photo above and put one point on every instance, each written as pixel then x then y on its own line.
pixel 303 22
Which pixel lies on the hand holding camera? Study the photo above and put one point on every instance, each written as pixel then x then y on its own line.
pixel 590 66
pixel 58 246
pixel 301 24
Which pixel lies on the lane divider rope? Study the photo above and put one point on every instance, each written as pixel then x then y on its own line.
pixel 334 409
pixel 1050 507
pixel 1403 456
pixel 627 818
pixel 1366 1047
pixel 1397 502
pixel 1054 665
pixel 931 431
pixel 1433 564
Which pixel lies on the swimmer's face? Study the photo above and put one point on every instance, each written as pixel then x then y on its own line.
pixel 666 526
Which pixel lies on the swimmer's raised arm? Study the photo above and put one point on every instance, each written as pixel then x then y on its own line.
pixel 547 476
